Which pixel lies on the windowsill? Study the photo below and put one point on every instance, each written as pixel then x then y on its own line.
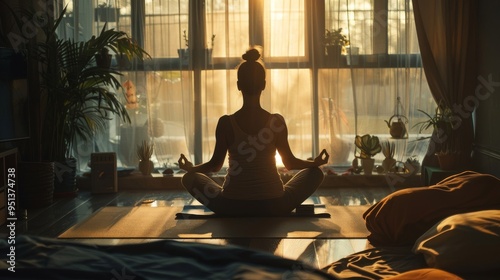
pixel 363 61
pixel 137 181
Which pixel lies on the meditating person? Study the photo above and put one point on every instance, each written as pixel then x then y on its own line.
pixel 251 136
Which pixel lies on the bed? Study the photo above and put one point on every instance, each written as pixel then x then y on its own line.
pixel 48 258
pixel 450 230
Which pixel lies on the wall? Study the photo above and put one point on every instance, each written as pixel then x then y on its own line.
pixel 486 156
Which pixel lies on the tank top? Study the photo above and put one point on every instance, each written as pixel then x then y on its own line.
pixel 252 172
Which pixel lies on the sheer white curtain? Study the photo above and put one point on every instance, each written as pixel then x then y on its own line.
pixel 180 98
pixel 357 98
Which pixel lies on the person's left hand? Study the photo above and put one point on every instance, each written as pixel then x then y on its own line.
pixel 184 163
pixel 322 158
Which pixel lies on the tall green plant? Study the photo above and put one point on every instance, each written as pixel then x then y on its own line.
pixel 79 96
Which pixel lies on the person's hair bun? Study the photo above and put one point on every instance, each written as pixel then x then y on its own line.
pixel 251 55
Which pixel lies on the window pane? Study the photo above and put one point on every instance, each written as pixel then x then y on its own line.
pixel 166 20
pixel 284 28
pixel 229 24
pixel 169 102
pixel 359 105
pixel 402 36
pixel 116 15
pixel 220 96
pixel 356 18
pixel 288 92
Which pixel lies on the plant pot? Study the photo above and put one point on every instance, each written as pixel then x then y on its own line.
pixel 36 184
pixel 448 161
pixel 107 14
pixel 103 61
pixel 208 56
pixel 388 164
pixel 183 56
pixel 367 164
pixel 334 55
pixel 65 178
pixel 146 167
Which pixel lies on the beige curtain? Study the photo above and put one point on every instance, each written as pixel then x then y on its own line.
pixel 446 34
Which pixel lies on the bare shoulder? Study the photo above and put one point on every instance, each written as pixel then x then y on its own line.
pixel 224 122
pixel 278 122
pixel 224 129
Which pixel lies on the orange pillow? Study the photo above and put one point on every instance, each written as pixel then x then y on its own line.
pixel 403 216
pixel 468 242
pixel 426 274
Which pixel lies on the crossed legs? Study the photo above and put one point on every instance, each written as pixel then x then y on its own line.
pixel 296 190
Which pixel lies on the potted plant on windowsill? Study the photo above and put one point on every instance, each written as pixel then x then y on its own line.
pixel 368 146
pixel 184 53
pixel 106 13
pixel 335 42
pixel 389 161
pixel 443 139
pixel 144 153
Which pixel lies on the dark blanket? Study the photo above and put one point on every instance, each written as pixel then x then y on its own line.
pixel 43 258
pixel 403 216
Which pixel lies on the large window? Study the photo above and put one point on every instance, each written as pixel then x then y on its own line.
pixel 196 46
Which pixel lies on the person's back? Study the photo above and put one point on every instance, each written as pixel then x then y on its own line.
pixel 252 172
pixel 252 136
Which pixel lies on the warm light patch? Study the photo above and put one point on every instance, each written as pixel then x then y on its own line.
pixel 279 162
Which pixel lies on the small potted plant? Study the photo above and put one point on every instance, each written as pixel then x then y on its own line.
pixel 208 51
pixel 412 164
pixel 368 146
pixel 443 123
pixel 184 52
pixel 388 149
pixel 103 58
pixel 144 152
pixel 335 42
pixel 106 13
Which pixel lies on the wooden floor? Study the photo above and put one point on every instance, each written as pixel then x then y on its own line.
pixel 53 220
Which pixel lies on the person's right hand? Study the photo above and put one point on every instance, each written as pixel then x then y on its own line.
pixel 322 158
pixel 184 163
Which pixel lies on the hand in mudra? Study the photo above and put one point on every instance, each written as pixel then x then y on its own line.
pixel 322 158
pixel 184 163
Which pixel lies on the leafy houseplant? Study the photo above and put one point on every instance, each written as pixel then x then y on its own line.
pixel 144 153
pixel 368 146
pixel 77 96
pixel 335 42
pixel 443 123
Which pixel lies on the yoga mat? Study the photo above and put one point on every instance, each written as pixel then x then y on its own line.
pixel 159 222
pixel 303 211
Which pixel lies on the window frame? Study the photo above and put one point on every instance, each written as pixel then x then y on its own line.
pixel 314 58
